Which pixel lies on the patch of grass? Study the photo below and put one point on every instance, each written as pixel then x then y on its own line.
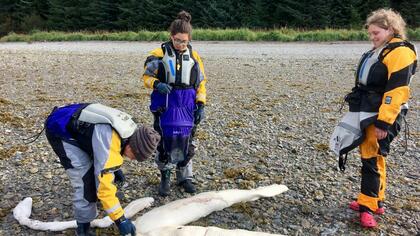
pixel 13 37
pixel 275 35
pixel 241 34
pixel 413 34
pixel 225 34
pixel 331 35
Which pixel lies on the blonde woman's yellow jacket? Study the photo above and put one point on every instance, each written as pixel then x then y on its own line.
pixel 384 74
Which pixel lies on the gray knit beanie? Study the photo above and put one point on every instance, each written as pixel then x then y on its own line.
pixel 143 142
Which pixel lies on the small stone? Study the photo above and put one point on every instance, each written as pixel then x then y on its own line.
pixel 306 224
pixel 48 175
pixel 38 204
pixel 54 211
pixel 294 227
pixel 319 195
pixel 307 209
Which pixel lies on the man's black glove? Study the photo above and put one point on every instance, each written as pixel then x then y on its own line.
pixel 163 88
pixel 199 113
pixel 119 180
pixel 119 177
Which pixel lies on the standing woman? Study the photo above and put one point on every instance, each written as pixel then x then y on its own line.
pixel 175 72
pixel 381 95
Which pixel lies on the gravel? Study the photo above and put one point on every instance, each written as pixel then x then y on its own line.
pixel 271 108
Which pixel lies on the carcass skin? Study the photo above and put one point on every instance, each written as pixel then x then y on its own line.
pixel 187 210
pixel 202 231
pixel 169 218
pixel 23 210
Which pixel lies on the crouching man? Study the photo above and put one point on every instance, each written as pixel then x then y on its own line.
pixel 90 141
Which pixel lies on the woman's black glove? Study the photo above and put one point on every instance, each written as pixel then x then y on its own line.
pixel 163 88
pixel 199 113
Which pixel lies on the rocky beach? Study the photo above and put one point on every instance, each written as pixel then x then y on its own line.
pixel 271 110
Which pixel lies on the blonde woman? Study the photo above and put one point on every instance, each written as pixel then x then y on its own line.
pixel 380 96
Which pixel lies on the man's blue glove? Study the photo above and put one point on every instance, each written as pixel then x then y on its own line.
pixel 163 88
pixel 199 113
pixel 125 227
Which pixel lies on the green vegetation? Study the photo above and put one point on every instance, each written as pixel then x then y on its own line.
pixel 85 36
pixel 281 35
pixel 24 16
pixel 413 34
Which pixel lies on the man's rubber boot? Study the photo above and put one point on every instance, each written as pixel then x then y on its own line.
pixel 83 229
pixel 188 186
pixel 367 220
pixel 164 187
pixel 355 207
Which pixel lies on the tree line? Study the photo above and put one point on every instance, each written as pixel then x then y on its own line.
pixel 23 16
